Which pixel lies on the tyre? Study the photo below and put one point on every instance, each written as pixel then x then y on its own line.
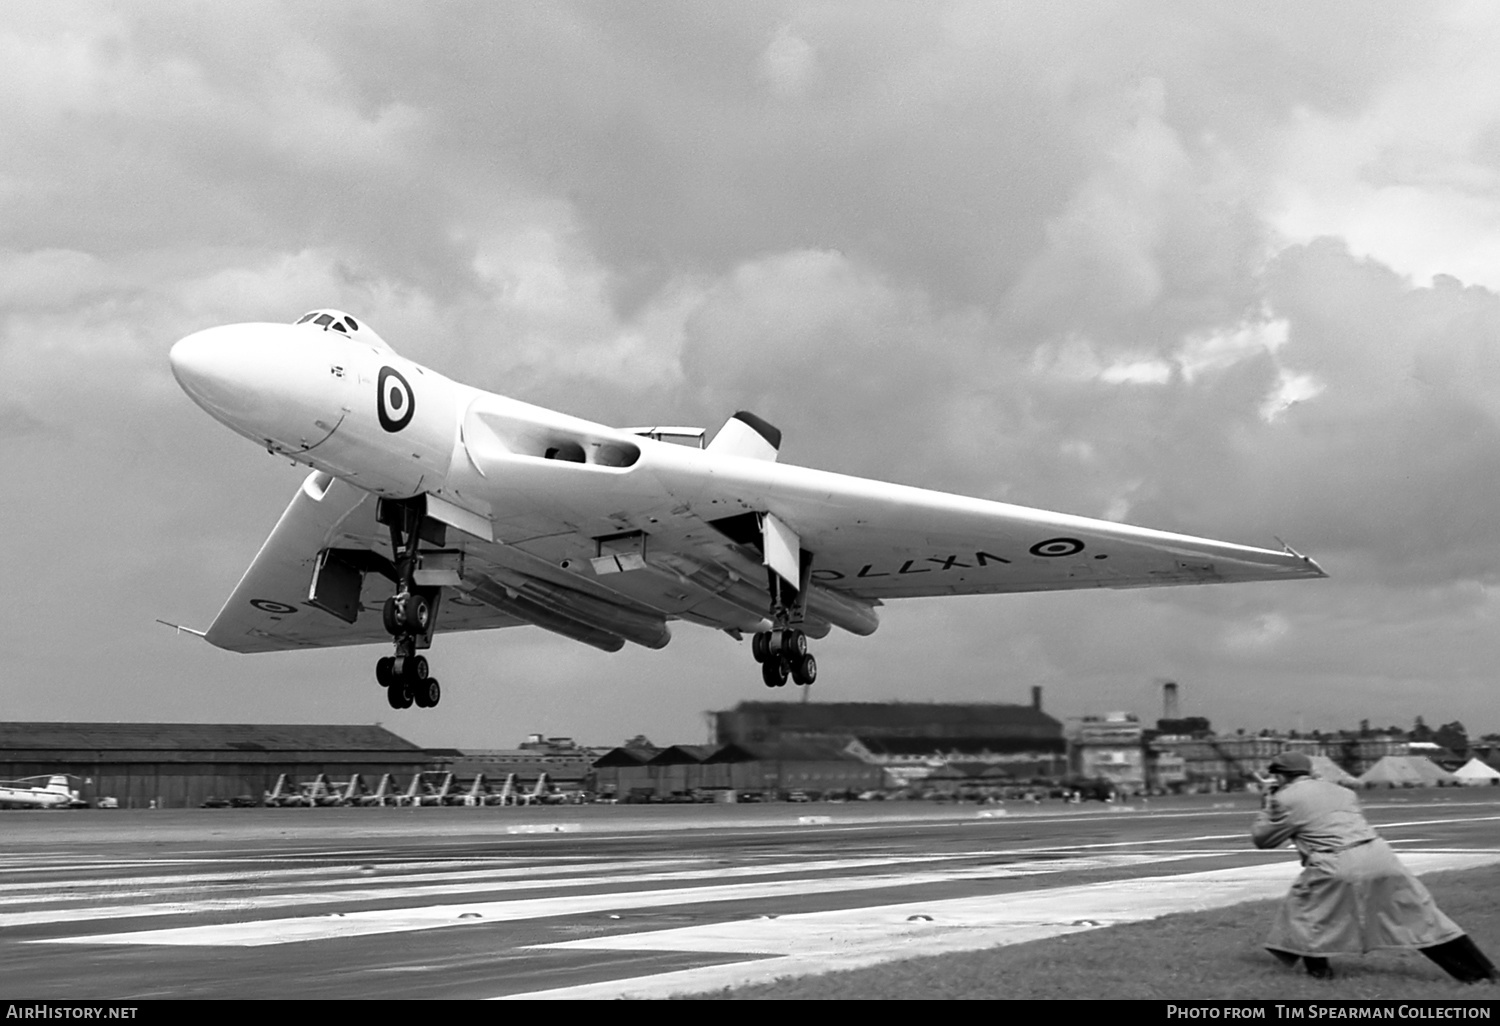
pixel 773 672
pixel 418 614
pixel 805 670
pixel 760 646
pixel 385 673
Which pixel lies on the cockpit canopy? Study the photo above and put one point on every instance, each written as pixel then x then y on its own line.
pixel 337 320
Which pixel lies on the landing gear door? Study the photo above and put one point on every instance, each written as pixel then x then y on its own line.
pixel 782 549
pixel 336 585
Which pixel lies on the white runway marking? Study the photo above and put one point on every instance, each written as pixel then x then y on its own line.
pixel 818 942
pixel 120 887
pixel 399 920
pixel 376 888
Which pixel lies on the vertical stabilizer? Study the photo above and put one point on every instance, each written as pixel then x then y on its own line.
pixel 747 435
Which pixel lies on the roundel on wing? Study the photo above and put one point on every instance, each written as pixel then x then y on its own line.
pixel 394 400
pixel 1057 547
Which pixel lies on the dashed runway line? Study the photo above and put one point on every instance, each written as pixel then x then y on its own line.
pixel 400 920
pixel 810 943
pixel 398 888
pixel 119 887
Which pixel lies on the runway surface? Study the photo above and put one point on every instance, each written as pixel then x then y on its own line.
pixel 605 902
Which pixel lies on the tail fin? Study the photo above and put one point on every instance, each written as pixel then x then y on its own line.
pixel 747 435
pixel 58 784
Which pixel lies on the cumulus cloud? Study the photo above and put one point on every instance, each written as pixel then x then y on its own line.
pixel 788 64
pixel 1208 268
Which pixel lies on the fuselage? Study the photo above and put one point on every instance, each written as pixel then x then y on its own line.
pixel 338 399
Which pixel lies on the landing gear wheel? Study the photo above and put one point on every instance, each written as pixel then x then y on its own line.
pixel 399 696
pixel 385 674
pixel 406 613
pixel 427 694
pixel 805 669
pixel 760 646
pixel 416 614
pixel 774 672
pixel 793 646
pixel 416 670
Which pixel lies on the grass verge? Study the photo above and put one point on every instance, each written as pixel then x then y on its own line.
pixel 1196 955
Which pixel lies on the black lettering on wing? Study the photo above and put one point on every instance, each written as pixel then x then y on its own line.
pixel 948 564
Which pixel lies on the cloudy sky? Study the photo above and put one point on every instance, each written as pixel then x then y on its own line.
pixel 1226 269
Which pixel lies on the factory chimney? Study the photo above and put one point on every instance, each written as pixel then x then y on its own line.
pixel 1170 710
pixel 1036 697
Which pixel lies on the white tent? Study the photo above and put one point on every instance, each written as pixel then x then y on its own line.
pixel 1394 771
pixel 1429 771
pixel 1475 772
pixel 1325 768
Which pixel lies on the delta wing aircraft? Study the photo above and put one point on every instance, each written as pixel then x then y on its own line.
pixel 432 503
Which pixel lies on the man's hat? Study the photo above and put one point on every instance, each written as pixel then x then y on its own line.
pixel 1291 762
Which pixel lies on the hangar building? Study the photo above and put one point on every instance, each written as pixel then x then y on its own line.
pixel 849 747
pixel 177 765
pixel 771 722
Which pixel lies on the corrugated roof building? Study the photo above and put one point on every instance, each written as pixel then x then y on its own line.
pixel 766 722
pixel 176 765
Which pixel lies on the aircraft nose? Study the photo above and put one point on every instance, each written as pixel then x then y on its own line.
pixel 218 369
pixel 242 374
pixel 197 361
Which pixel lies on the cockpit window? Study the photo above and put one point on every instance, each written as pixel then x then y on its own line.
pixel 335 320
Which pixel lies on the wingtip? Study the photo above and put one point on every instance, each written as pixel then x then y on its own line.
pixel 1308 561
pixel 180 629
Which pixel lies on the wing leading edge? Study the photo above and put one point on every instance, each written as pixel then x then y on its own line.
pixel 874 540
pixel 269 610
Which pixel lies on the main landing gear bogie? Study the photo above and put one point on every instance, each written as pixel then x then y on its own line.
pixel 783 655
pixel 409 615
pixel 406 681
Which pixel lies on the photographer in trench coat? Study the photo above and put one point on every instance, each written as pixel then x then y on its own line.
pixel 1354 895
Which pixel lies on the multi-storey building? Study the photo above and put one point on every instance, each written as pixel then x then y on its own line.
pixel 1110 748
